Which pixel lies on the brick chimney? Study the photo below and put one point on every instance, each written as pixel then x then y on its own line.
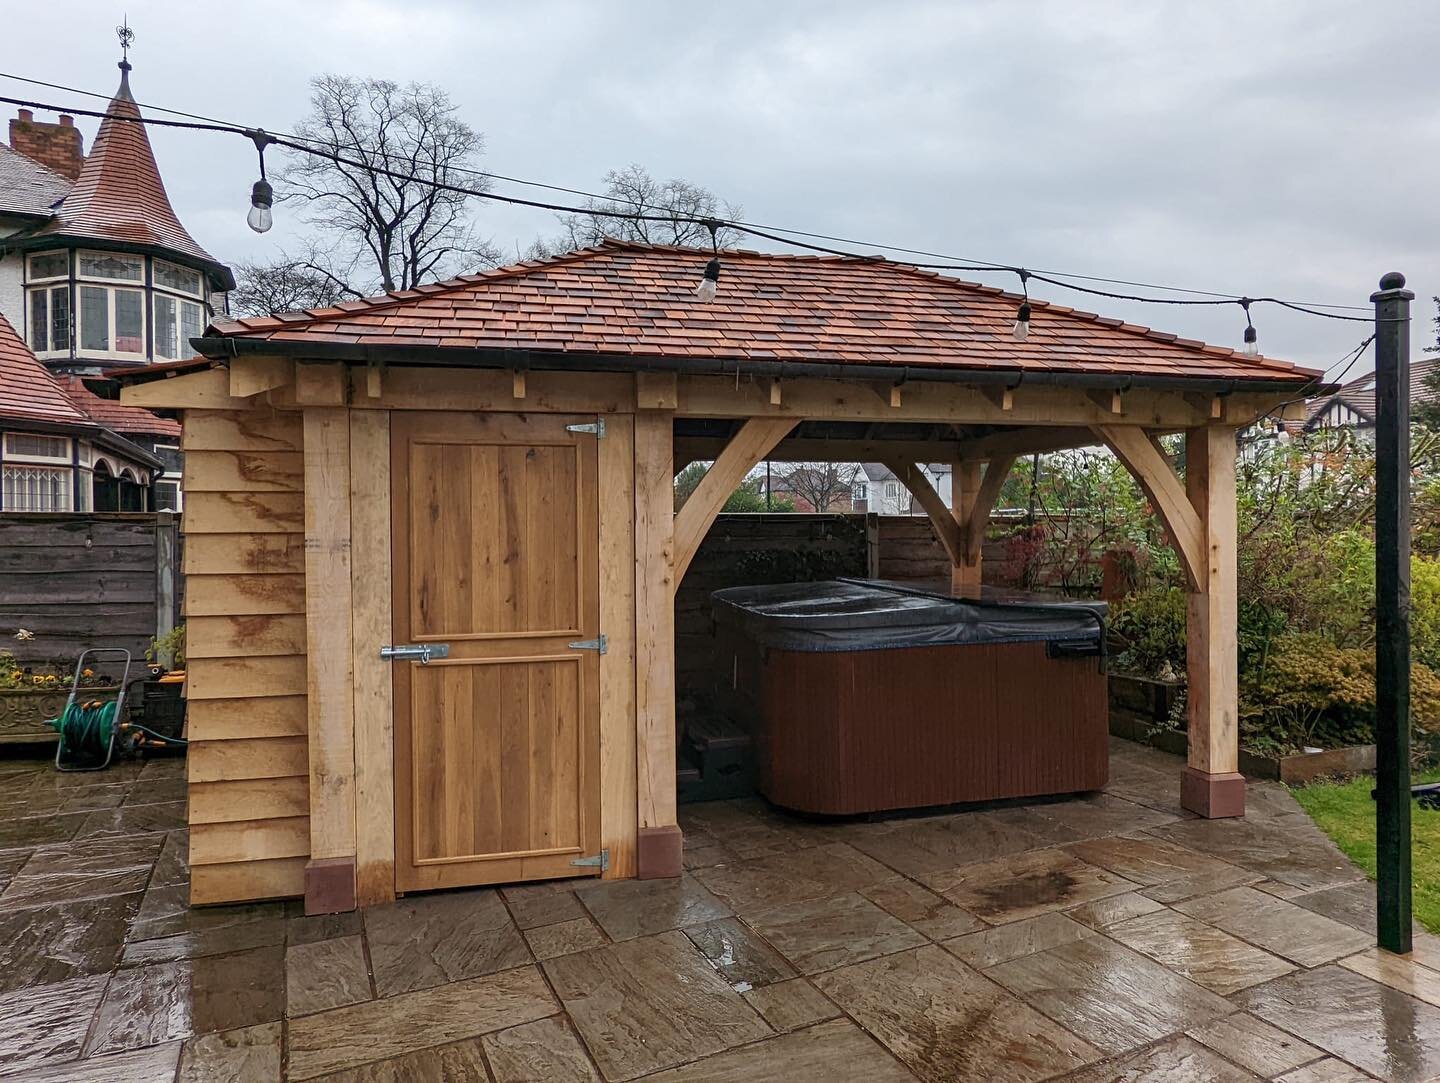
pixel 56 146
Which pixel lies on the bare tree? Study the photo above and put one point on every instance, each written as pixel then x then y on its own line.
pixel 388 224
pixel 824 485
pixel 633 194
pixel 285 285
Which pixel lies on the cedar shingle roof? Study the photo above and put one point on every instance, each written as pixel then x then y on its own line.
pixel 115 417
pixel 119 196
pixel 637 301
pixel 27 187
pixel 27 390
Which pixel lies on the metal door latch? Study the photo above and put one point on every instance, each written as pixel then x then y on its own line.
pixel 421 652
pixel 597 644
pixel 597 427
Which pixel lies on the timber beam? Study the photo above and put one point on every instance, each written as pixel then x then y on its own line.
pixel 947 529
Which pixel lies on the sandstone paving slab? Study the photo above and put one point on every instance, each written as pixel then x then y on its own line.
pixel 1113 997
pixel 164 1002
pixel 547 903
pixel 1328 1070
pixel 1293 852
pixel 47 1023
pixel 1002 943
pixel 1398 972
pixel 344 1039
pixel 1096 815
pixel 166 911
pixel 133 819
pixel 54 943
pixel 931 845
pixel 308 928
pixel 325 974
pixel 705 857
pixel 836 1052
pixel 1349 904
pixel 31 831
pixel 949 1024
pixel 1150 861
pixel 429 939
pixel 1113 909
pixel 825 933
pixel 202 942
pixel 563 938
pixel 26 891
pixel 1277 926
pixel 1176 1060
pixel 1025 885
pixel 626 909
pixel 921 909
pixel 154 1065
pixel 173 866
pixel 738 955
pixel 459 1062
pixel 1367 1024
pixel 158 791
pixel 546 1049
pixel 1254 1044
pixel 814 873
pixel 790 1004
pixel 660 987
pixel 1200 952
pixel 233 1056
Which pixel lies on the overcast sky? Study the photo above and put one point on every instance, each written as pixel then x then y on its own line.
pixel 1286 148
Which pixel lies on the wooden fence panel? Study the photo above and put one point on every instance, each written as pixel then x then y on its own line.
pixel 77 581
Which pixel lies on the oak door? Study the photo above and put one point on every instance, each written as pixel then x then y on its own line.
pixel 497 746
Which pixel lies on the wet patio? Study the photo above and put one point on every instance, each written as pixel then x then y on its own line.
pixel 1103 938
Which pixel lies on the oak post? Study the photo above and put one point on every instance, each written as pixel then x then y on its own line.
pixel 1211 785
pixel 658 843
pixel 964 503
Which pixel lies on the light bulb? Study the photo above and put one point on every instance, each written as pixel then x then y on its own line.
pixel 1252 346
pixel 1021 331
pixel 262 197
pixel 705 292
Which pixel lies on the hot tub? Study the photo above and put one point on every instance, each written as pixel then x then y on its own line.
pixel 862 695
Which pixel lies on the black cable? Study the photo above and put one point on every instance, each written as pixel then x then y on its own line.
pixel 744 227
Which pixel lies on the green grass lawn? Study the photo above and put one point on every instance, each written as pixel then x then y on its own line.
pixel 1345 812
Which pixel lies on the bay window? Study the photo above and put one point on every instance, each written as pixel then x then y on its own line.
pixel 35 488
pixel 112 321
pixel 50 319
pixel 177 321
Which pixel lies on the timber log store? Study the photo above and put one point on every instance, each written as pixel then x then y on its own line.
pixel 477 476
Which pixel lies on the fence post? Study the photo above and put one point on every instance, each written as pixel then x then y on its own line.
pixel 165 573
pixel 872 545
pixel 1392 612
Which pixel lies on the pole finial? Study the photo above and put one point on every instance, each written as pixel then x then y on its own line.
pixel 1392 281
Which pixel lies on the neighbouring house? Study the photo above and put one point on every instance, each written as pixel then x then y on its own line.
pixel 432 549
pixel 879 489
pixel 1352 405
pixel 64 449
pixel 96 269
pixel 809 485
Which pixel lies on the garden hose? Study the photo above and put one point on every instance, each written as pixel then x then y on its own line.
pixel 155 740
pixel 85 730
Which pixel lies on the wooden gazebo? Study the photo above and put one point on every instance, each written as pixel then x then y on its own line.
pixel 482 470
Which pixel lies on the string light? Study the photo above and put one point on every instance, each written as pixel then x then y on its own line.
pixel 710 279
pixel 262 196
pixel 1252 344
pixel 262 217
pixel 1021 331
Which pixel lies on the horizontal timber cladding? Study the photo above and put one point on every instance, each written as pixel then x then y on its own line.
pixel 246 643
pixel 80 581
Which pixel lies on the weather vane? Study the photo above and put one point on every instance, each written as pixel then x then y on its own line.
pixel 126 36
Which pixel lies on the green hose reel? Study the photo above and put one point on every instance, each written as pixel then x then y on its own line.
pixel 87 731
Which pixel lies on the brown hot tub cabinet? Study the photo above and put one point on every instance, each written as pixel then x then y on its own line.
pixel 863 696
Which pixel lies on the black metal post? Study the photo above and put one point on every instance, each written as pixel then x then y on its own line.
pixel 1392 612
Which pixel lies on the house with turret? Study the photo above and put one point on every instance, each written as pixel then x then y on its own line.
pixel 97 274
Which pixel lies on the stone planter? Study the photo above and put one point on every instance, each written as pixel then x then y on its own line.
pixel 23 711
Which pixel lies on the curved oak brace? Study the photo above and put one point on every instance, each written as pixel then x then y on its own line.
pixel 746 448
pixel 946 528
pixel 979 515
pixel 1133 447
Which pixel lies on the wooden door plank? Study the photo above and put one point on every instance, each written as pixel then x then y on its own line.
pixel 330 685
pixel 370 628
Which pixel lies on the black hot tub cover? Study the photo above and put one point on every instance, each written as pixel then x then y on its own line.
pixel 870 614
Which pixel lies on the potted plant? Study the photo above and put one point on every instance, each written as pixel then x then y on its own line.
pixel 161 704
